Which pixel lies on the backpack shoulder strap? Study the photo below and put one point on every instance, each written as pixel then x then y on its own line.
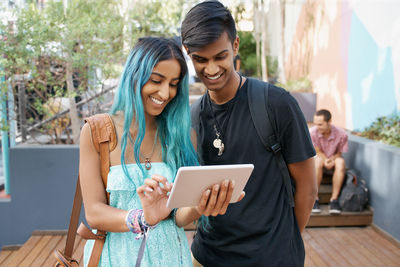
pixel 195 112
pixel 195 117
pixel 258 101
pixel 262 119
pixel 104 140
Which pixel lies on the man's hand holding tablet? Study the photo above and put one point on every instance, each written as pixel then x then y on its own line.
pixel 215 201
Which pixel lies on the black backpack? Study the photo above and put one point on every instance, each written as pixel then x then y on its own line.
pixel 258 103
pixel 354 194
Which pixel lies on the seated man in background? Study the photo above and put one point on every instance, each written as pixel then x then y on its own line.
pixel 329 142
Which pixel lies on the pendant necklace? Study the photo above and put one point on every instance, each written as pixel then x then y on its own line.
pixel 147 162
pixel 218 143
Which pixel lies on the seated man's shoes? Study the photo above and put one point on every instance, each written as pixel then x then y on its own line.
pixel 334 207
pixel 316 208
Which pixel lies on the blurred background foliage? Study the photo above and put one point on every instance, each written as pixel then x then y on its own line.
pixel 385 129
pixel 58 51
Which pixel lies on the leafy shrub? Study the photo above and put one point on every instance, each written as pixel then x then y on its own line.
pixel 248 54
pixel 249 60
pixel 385 129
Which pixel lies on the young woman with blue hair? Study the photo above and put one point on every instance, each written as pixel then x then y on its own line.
pixel 152 122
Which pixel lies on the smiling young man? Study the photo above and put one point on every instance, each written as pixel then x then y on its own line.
pixel 263 229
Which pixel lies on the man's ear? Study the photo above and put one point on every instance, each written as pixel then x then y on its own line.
pixel 236 45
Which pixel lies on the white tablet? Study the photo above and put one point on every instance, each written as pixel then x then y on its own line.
pixel 191 182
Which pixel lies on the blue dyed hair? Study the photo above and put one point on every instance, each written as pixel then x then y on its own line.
pixel 173 124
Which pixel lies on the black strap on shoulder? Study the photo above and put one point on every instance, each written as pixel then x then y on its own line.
pixel 195 113
pixel 258 105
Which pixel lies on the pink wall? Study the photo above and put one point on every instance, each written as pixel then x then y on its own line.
pixel 318 51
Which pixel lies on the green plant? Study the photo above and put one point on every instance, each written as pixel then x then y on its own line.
pixel 248 57
pixel 385 129
pixel 61 47
pixel 247 52
pixel 56 48
pixel 156 18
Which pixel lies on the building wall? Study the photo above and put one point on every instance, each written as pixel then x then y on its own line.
pixel 43 180
pixel 350 50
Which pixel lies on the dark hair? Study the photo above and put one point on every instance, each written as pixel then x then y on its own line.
pixel 163 49
pixel 205 23
pixel 323 112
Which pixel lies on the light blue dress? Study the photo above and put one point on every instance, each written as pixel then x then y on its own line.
pixel 166 245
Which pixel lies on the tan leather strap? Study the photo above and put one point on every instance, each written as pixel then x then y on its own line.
pixel 105 132
pixel 100 237
pixel 105 165
pixel 62 260
pixel 96 253
pixel 104 140
pixel 86 233
pixel 73 222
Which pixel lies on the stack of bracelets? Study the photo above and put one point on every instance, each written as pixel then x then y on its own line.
pixel 137 224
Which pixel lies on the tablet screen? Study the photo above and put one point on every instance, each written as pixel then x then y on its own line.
pixel 191 182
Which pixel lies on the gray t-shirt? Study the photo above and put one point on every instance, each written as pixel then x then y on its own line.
pixel 260 230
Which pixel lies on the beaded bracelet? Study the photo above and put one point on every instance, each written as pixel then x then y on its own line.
pixel 137 224
pixel 132 221
pixel 144 225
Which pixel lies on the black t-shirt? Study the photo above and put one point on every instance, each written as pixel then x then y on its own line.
pixel 260 230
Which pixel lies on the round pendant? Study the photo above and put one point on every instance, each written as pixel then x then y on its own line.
pixel 217 143
pixel 147 164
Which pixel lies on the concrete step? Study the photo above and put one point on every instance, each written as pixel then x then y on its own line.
pixel 324 218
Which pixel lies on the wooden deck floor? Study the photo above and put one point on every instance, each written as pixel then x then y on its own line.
pixel 324 247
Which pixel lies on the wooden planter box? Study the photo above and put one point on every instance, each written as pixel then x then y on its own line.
pixel 307 102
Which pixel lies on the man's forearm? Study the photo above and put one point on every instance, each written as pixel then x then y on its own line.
pixel 337 155
pixel 303 174
pixel 303 202
pixel 184 216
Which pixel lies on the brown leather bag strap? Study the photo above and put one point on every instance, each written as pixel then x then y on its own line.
pixel 104 140
pixel 105 165
pixel 73 222
pixel 96 253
